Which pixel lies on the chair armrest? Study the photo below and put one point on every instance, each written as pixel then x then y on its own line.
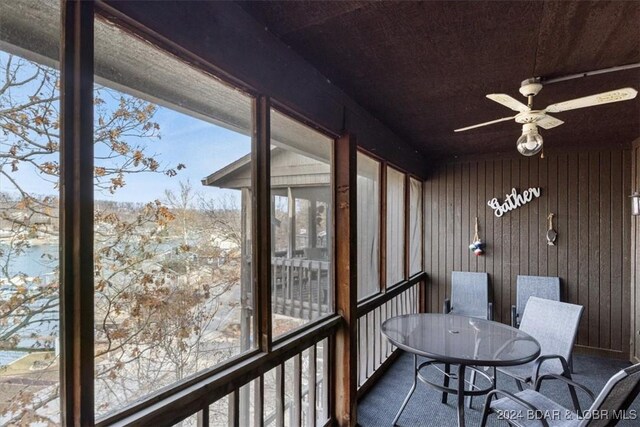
pixel 514 316
pixel 513 397
pixel 446 307
pixel 566 380
pixel 490 311
pixel 540 360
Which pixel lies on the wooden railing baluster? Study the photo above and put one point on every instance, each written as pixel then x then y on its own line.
pixel 297 390
pixel 203 417
pixel 280 397
pixel 312 381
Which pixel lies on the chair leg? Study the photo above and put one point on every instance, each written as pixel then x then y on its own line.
pixel 472 380
pixel 485 413
pixel 574 396
pixel 519 385
pixel 571 365
pixel 447 370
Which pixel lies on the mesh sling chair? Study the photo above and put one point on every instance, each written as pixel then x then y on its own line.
pixel 533 286
pixel 470 296
pixel 606 410
pixel 554 325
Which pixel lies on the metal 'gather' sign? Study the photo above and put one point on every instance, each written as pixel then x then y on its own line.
pixel 513 200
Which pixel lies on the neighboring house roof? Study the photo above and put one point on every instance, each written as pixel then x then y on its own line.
pixel 288 169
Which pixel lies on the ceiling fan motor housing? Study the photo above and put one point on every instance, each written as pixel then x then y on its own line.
pixel 530 87
pixel 530 116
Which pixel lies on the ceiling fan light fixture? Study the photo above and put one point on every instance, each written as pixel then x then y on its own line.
pixel 530 142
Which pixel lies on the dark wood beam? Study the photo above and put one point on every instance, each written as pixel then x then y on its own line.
pixel 345 351
pixel 261 224
pixel 224 40
pixel 76 214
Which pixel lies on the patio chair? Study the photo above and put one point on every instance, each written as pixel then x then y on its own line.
pixel 606 409
pixel 469 297
pixel 533 286
pixel 554 325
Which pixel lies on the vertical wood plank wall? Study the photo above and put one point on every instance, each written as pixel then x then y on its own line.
pixel 588 191
pixel 635 258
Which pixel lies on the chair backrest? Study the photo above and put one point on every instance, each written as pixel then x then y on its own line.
pixel 535 286
pixel 615 398
pixel 554 325
pixel 470 294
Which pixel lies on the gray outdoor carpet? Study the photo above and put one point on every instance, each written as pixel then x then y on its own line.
pixel 379 406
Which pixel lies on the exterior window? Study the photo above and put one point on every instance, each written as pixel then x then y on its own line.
pixel 301 224
pixel 368 226
pixel 173 288
pixel 415 226
pixel 29 213
pixel 395 226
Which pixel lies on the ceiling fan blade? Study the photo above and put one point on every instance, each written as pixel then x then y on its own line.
pixel 623 94
pixel 509 102
pixel 485 124
pixel 548 122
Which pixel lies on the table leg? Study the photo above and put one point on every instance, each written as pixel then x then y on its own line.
pixel 445 382
pixel 413 388
pixel 461 396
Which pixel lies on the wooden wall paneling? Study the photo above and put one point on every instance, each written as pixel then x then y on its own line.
pixel 481 210
pixel 626 248
pixel 583 245
pixel 606 226
pixel 533 233
pixel 552 207
pixel 562 224
pixel 573 229
pixel 588 193
pixel 524 212
pixel 506 245
pixel 465 235
pixel 448 231
pixel 515 239
pixel 427 245
pixel 594 253
pixel 497 243
pixel 617 217
pixel 437 209
pixel 635 247
pixel 456 226
pixel 543 210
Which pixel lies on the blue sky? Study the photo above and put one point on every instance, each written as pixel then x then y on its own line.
pixel 201 146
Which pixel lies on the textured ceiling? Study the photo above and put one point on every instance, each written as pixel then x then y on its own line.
pixel 424 68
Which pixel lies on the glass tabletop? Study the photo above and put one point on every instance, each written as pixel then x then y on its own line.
pixel 461 339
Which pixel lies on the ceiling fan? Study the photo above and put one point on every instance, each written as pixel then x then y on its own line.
pixel 530 142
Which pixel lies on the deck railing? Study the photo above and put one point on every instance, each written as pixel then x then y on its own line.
pixel 300 287
pixel 374 351
pixel 289 393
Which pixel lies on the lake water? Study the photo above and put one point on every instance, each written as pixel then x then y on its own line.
pixel 36 261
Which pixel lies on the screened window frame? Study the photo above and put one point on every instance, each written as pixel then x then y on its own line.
pixel 381 221
pixel 77 392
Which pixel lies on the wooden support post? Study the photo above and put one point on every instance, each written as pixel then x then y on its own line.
pixel 261 232
pixel 407 226
pixel 383 226
pixel 291 209
pixel 345 363
pixel 76 214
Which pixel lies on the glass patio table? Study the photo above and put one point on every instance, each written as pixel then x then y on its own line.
pixel 469 343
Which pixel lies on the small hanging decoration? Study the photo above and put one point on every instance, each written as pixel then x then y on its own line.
pixel 477 246
pixel 552 235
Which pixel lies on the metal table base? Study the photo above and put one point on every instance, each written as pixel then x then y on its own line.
pixel 460 391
